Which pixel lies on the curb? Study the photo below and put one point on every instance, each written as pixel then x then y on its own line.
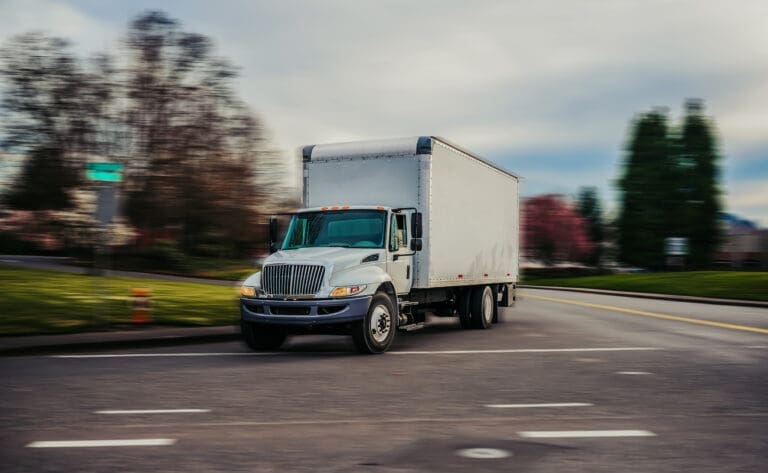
pixel 648 295
pixel 90 341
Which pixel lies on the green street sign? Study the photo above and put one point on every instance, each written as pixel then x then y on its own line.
pixel 105 172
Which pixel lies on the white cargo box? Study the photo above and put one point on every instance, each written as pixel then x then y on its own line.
pixel 470 206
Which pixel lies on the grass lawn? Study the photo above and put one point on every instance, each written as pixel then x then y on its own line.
pixel 720 284
pixel 35 302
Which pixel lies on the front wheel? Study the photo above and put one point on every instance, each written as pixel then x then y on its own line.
pixel 260 337
pixel 376 332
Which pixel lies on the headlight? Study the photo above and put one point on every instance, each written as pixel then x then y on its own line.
pixel 346 291
pixel 247 291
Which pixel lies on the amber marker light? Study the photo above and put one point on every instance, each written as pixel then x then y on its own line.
pixel 347 291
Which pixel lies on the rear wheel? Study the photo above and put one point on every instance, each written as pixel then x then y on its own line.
pixel 483 306
pixel 260 337
pixel 375 333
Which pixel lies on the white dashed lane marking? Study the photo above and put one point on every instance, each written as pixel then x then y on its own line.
pixel 543 405
pixel 103 443
pixel 573 434
pixel 153 411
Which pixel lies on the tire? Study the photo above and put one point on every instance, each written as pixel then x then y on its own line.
pixel 377 331
pixel 463 308
pixel 261 337
pixel 483 307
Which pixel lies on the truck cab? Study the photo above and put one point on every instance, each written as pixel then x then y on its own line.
pixel 325 273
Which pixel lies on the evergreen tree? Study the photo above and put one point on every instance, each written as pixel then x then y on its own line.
pixel 588 206
pixel 669 188
pixel 645 192
pixel 698 160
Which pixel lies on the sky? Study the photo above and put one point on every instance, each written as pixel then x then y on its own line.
pixel 546 89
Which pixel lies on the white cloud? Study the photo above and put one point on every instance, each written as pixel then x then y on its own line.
pixel 749 199
pixel 88 35
pixel 502 78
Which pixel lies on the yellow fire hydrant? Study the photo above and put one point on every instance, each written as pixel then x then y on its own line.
pixel 140 305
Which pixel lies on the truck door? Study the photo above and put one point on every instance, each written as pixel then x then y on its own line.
pixel 400 260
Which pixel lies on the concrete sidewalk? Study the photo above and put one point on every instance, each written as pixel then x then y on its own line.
pixel 148 336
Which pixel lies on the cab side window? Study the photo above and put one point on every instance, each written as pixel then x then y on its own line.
pixel 402 233
pixel 398 234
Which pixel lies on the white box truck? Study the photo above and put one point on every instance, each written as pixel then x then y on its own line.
pixel 390 230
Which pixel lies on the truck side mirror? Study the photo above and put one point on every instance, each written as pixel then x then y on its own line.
pixel 416 244
pixel 272 234
pixel 416 230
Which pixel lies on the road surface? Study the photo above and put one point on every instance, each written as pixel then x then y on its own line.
pixel 568 382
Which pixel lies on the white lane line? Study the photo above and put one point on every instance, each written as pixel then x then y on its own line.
pixel 104 443
pixel 758 347
pixel 153 411
pixel 574 434
pixel 162 355
pixel 552 404
pixel 633 373
pixel 437 352
pixel 521 350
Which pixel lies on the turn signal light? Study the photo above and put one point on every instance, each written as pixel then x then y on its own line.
pixel 347 291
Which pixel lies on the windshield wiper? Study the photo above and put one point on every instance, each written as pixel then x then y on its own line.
pixel 342 245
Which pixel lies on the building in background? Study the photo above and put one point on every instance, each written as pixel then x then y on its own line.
pixel 744 245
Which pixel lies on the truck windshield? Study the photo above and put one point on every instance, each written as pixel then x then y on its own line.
pixel 345 228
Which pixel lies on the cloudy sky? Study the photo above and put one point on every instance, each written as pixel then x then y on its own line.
pixel 546 88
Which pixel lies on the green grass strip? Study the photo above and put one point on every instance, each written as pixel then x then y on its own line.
pixel 37 302
pixel 744 285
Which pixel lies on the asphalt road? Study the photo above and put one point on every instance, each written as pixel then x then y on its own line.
pixel 567 383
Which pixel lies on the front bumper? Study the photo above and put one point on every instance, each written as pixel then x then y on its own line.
pixel 311 312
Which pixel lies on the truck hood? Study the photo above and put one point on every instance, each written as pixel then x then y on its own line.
pixel 337 258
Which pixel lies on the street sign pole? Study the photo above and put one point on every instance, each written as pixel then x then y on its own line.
pixel 106 175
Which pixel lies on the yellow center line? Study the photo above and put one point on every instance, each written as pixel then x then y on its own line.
pixel 743 328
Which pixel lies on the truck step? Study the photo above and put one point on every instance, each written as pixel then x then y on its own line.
pixel 411 327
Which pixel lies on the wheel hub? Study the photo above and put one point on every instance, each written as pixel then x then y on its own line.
pixel 380 324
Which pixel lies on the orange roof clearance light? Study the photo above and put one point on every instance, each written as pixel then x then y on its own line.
pixel 345 207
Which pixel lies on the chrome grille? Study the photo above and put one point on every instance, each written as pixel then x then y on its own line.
pixel 292 279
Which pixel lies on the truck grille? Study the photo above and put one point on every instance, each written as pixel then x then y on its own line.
pixel 292 279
